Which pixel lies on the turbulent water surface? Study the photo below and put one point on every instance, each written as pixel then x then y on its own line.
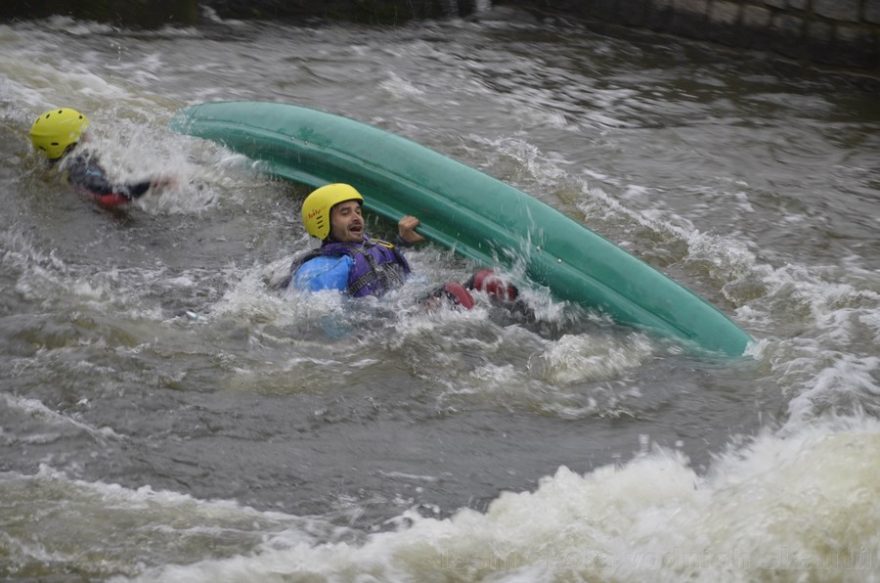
pixel 166 414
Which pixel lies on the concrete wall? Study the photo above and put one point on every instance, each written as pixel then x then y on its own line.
pixel 156 13
pixel 131 13
pixel 842 33
pixel 367 11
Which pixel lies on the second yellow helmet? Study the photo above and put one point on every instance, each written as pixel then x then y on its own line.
pixel 55 130
pixel 317 205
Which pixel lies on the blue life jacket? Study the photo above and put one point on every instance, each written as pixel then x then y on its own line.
pixel 359 269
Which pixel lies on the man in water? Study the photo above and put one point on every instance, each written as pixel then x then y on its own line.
pixel 58 133
pixel 353 263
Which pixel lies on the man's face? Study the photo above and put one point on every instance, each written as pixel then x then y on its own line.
pixel 346 222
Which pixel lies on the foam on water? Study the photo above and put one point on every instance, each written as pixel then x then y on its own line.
pixel 785 507
pixel 133 149
pixel 131 138
pixel 794 504
pixel 136 143
pixel 129 526
pixel 39 412
pixel 574 359
pixel 839 305
pixel 400 88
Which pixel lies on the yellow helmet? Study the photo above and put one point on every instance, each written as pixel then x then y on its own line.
pixel 55 130
pixel 316 207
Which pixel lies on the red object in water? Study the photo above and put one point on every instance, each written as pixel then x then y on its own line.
pixel 460 296
pixel 485 280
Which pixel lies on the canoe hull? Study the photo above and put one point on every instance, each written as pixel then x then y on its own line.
pixel 465 210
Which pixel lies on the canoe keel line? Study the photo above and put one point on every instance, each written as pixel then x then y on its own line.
pixel 465 210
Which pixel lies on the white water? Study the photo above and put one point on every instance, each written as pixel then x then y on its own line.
pixel 168 417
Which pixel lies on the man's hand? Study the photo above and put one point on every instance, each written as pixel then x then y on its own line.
pixel 406 228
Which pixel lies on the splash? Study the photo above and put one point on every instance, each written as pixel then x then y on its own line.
pixel 176 525
pixel 786 508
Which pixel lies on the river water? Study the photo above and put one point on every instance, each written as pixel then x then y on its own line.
pixel 167 415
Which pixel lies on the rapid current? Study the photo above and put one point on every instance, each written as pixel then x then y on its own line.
pixel 167 415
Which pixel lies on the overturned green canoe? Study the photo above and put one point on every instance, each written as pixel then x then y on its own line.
pixel 465 210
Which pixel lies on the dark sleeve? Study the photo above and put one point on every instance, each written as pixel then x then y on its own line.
pixel 85 173
pixel 134 189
